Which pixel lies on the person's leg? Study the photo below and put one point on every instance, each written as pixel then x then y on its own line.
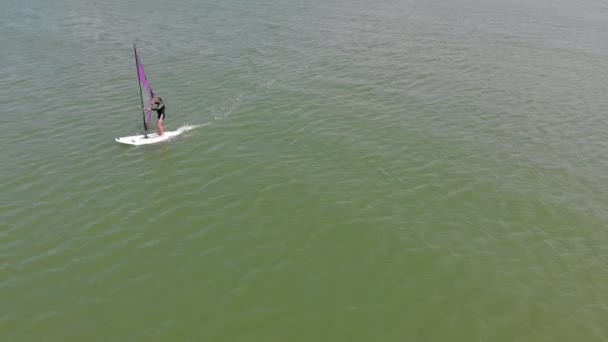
pixel 161 128
pixel 160 124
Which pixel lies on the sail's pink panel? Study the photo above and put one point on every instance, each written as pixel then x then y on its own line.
pixel 146 89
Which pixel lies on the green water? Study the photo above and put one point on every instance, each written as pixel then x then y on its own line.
pixel 359 171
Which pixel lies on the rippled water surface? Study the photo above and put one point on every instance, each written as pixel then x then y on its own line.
pixel 393 170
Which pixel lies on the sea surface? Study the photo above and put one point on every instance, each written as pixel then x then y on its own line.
pixel 390 170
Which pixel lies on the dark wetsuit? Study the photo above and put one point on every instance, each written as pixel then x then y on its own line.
pixel 160 110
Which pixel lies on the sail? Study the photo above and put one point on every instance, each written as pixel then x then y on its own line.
pixel 145 91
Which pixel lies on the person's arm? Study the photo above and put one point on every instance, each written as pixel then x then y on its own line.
pixel 150 107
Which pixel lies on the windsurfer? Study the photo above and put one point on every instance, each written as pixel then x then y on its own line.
pixel 157 105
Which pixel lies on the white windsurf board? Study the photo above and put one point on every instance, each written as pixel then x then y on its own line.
pixel 152 138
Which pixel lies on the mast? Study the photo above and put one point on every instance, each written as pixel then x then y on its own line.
pixel 141 96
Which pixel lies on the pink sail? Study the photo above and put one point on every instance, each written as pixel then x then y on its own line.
pixel 145 89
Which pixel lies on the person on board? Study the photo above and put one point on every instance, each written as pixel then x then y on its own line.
pixel 157 105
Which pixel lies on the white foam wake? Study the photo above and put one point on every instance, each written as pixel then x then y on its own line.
pixel 186 128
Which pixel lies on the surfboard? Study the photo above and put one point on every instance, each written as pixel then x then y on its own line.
pixel 152 138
